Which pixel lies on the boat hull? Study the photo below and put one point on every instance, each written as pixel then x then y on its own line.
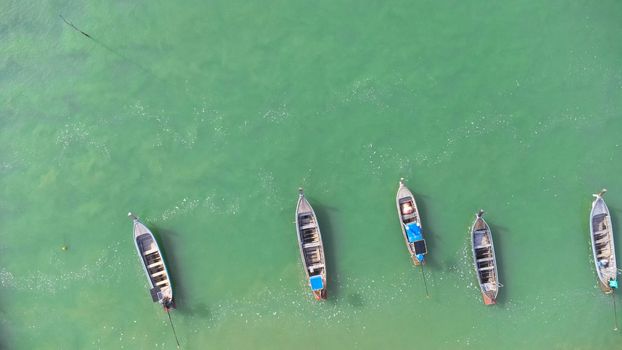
pixel 408 215
pixel 311 247
pixel 154 266
pixel 484 260
pixel 603 248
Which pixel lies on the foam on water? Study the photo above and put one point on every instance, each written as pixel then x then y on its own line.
pixel 102 270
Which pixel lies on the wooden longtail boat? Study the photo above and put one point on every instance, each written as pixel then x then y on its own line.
pixel 484 259
pixel 311 247
pixel 410 222
pixel 601 234
pixel 153 264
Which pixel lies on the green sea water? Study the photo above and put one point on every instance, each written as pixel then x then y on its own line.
pixel 204 117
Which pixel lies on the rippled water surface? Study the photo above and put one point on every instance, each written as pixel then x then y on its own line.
pixel 205 117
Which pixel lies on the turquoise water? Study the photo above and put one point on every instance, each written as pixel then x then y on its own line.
pixel 204 118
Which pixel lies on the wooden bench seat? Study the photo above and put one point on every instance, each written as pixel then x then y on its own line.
pixel 311 245
pixel 151 251
pixel 315 267
pixel 160 273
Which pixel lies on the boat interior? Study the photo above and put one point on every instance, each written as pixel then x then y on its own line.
pixel 601 236
pixel 484 258
pixel 420 247
pixel 311 244
pixel 407 210
pixel 153 262
pixel 605 257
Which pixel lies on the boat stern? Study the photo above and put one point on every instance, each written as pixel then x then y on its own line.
pixel 168 304
pixel 608 288
pixel 418 261
pixel 318 286
pixel 488 299
pixel 320 294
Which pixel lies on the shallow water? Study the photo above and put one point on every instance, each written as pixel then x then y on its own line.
pixel 205 118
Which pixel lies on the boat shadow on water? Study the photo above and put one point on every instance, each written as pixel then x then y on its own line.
pixel 498 237
pixel 4 334
pixel 431 239
pixel 615 224
pixel 330 247
pixel 167 240
pixel 615 214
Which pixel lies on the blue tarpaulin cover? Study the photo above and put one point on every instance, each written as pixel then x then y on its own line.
pixel 316 282
pixel 420 257
pixel 413 232
pixel 613 283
